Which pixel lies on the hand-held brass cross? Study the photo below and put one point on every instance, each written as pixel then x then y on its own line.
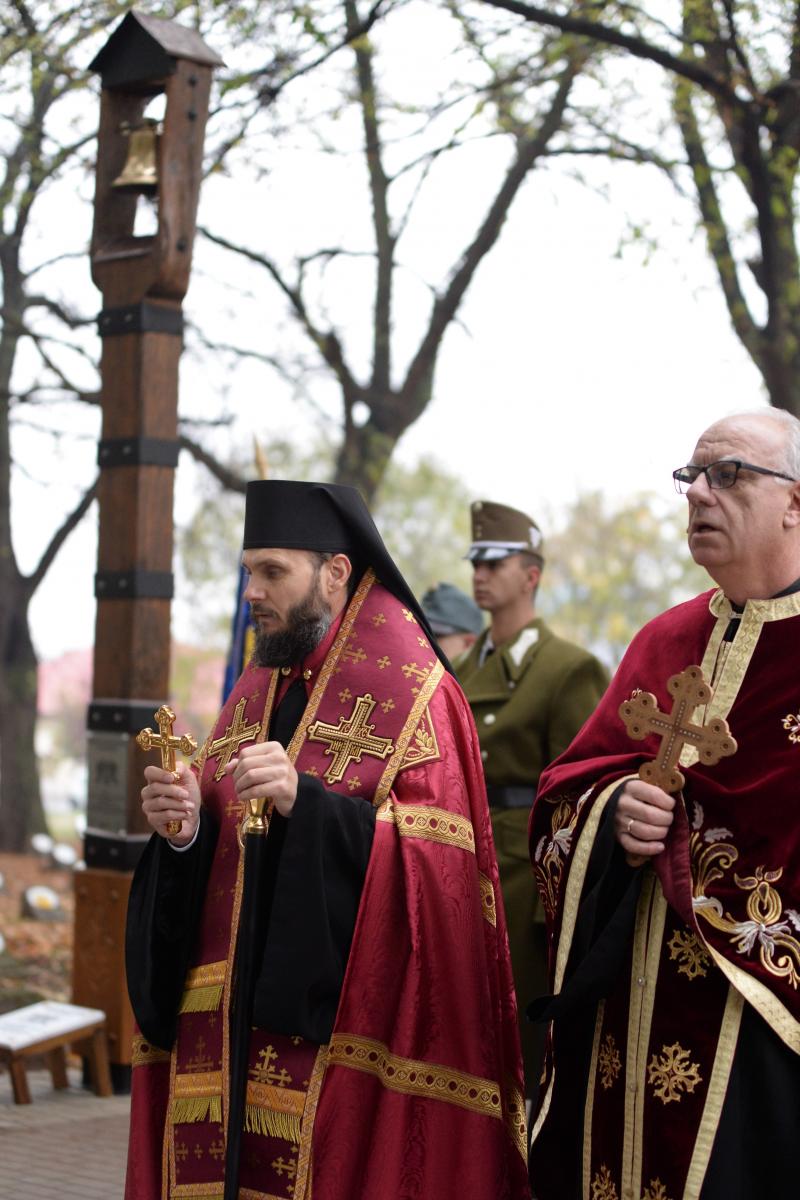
pixel 642 717
pixel 167 743
pixel 350 739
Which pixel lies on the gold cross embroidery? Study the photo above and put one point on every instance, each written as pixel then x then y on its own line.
pixel 641 717
pixel 235 733
pixel 350 739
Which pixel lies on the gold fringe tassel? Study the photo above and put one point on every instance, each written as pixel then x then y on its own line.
pixel 272 1124
pixel 191 1109
pixel 202 999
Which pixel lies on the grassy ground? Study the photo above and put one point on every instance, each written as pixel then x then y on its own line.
pixel 37 961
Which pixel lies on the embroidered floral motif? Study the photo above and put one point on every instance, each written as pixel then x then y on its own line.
pixel 656 1191
pixel 603 1186
pixel 792 722
pixel 688 949
pixel 550 856
pixel 672 1073
pixel 768 927
pixel 608 1062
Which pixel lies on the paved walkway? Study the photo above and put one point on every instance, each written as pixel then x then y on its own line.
pixel 68 1145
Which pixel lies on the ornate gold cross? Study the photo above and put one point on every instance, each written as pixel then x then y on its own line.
pixel 235 734
pixel 167 743
pixel 641 716
pixel 350 739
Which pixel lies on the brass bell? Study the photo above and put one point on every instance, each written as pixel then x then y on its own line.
pixel 140 173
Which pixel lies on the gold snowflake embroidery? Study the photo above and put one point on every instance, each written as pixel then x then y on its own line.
pixel 609 1062
pixel 688 949
pixel 603 1186
pixel 672 1073
pixel 656 1191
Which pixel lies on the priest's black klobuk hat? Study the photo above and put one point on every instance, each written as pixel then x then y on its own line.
pixel 286 514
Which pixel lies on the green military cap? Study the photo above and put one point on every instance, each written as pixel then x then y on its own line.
pixel 449 610
pixel 498 531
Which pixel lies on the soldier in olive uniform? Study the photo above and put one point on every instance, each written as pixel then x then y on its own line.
pixel 530 692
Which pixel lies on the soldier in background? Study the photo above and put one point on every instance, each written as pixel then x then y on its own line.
pixel 454 618
pixel 530 692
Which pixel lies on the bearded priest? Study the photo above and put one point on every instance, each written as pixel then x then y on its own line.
pixel 329 1013
pixel 673 1063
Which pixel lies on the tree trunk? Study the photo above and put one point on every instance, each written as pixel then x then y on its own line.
pixel 21 811
pixel 363 458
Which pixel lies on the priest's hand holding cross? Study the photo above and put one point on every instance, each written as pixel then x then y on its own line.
pixel 171 797
pixel 645 806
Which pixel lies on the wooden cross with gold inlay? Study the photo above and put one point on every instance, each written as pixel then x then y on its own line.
pixel 167 742
pixel 641 716
pixel 350 739
pixel 235 734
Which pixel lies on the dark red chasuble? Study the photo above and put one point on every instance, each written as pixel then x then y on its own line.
pixel 417 1089
pixel 643 1039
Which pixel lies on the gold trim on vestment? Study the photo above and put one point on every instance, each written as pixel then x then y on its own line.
pixel 252 1194
pixel 274 1111
pixel 203 988
pixel 197 1096
pixel 143 1053
pixel 572 899
pixel 651 915
pixel 516 1120
pixel 765 1002
pixel 197 1191
pixel 427 688
pixel 412 1077
pixel 588 1112
pixel 488 904
pixel 717 1087
pixel 302 1185
pixel 434 825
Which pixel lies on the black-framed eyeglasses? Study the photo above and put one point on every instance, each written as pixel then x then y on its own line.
pixel 722 474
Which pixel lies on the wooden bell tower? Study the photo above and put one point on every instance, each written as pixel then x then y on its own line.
pixel 143 280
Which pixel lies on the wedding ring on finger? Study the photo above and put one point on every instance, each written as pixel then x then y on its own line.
pixel 630 824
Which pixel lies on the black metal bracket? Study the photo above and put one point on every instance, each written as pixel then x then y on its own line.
pixel 140 318
pixel 138 452
pixel 121 716
pixel 133 585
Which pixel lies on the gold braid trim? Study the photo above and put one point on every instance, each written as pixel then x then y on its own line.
pixel 302 1186
pixel 273 1111
pixel 415 1078
pixel 419 706
pixel 516 1121
pixel 252 1194
pixel 435 825
pixel 197 1097
pixel 197 1191
pixel 203 988
pixel 143 1054
pixel 487 898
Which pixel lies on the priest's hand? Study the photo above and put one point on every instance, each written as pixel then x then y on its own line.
pixel 166 799
pixel 642 820
pixel 264 769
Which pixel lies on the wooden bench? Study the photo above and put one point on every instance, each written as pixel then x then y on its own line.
pixel 47 1029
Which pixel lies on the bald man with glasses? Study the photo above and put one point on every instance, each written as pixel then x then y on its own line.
pixel 673 1063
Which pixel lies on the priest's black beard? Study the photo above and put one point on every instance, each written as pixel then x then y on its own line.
pixel 306 626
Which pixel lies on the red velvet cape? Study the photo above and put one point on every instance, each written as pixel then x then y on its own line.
pixel 419 1091
pixel 718 922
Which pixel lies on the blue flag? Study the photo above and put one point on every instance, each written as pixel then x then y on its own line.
pixel 242 639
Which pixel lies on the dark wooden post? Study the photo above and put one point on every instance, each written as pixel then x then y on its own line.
pixel 143 281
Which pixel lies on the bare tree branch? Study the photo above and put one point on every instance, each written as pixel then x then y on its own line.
pixel 59 537
pixel 229 479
